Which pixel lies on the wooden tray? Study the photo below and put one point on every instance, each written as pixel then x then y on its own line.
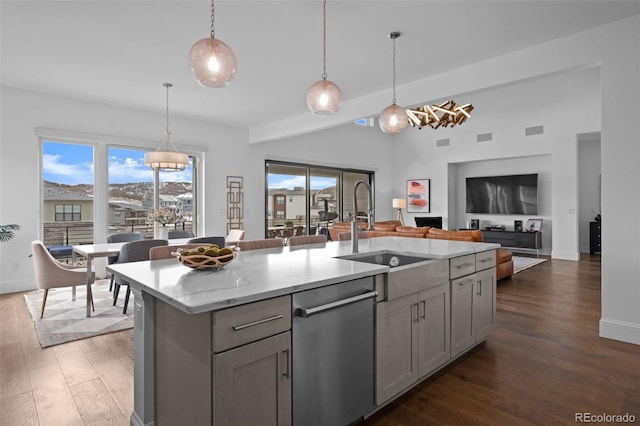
pixel 200 261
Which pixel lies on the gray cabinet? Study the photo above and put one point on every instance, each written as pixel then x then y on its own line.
pixel 252 383
pixel 230 366
pixel 473 309
pixel 412 339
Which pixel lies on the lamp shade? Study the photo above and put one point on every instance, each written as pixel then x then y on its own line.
pixel 393 119
pixel 166 160
pixel 399 203
pixel 324 98
pixel 212 62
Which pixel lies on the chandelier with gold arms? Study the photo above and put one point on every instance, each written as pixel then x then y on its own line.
pixel 447 114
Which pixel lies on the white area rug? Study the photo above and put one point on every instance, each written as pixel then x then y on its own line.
pixel 521 263
pixel 65 320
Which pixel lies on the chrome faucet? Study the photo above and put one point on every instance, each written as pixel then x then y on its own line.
pixel 354 220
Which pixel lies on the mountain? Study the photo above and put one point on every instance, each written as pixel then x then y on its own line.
pixel 134 191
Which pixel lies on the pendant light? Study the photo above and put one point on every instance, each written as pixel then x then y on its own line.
pixel 324 97
pixel 164 158
pixel 393 119
pixel 212 62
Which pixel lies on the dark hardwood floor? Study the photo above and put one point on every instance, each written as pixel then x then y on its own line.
pixel 543 364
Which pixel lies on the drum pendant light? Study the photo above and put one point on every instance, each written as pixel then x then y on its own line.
pixel 324 97
pixel 393 119
pixel 212 62
pixel 164 158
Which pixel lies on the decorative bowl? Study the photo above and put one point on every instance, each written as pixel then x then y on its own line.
pixel 201 261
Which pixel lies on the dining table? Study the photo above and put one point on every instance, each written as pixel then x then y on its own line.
pixel 92 251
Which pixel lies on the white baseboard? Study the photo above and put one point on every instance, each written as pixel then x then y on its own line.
pixel 16 286
pixel 620 330
pixel 565 255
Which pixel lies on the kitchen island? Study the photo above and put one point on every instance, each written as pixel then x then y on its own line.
pixel 191 326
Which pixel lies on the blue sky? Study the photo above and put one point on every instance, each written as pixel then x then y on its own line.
pixel 291 181
pixel 73 164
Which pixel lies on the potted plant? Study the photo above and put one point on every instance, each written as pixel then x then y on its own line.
pixel 7 232
pixel 288 223
pixel 164 216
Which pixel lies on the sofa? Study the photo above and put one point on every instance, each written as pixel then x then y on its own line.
pixel 393 228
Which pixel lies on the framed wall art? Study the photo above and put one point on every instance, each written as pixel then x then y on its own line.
pixel 533 225
pixel 418 192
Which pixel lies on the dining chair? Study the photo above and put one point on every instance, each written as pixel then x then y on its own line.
pixel 133 251
pixel 299 240
pixel 166 252
pixel 219 241
pixel 235 235
pixel 51 273
pixel 121 237
pixel 346 236
pixel 180 234
pixel 261 244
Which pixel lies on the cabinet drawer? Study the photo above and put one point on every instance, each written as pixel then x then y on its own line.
pixel 246 323
pixel 485 260
pixel 463 265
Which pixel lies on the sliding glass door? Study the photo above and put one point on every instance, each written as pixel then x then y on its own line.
pixel 306 199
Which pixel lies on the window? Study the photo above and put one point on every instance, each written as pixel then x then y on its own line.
pixel 67 212
pixel 131 193
pixel 67 193
pixel 311 196
pixel 71 201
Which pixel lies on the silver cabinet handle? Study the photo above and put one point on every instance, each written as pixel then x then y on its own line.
pixel 262 321
pixel 307 312
pixel 486 260
pixel 417 318
pixel 465 282
pixel 479 288
pixel 423 305
pixel 287 358
pixel 464 265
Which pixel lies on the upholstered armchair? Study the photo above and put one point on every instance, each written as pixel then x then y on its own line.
pixel 53 274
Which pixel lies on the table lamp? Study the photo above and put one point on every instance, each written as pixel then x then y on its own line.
pixel 400 203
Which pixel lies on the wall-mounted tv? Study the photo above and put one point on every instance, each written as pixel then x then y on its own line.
pixel 511 194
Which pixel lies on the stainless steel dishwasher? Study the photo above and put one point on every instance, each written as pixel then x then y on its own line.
pixel 333 353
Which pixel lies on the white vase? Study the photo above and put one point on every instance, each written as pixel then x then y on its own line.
pixel 163 233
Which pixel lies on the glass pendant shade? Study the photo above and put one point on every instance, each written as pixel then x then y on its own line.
pixel 212 62
pixel 393 119
pixel 166 160
pixel 324 98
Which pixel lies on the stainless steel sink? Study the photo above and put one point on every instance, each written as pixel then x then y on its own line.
pixel 391 259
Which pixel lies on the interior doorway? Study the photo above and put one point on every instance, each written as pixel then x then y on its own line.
pixel 589 188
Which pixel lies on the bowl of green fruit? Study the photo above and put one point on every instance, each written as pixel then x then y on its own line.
pixel 206 257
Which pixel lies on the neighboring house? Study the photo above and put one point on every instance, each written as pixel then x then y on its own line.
pixel 129 214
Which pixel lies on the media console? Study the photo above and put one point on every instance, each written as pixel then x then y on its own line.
pixel 514 240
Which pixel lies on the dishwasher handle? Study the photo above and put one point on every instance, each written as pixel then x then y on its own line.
pixel 307 312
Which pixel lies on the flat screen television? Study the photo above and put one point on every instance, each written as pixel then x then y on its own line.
pixel 511 194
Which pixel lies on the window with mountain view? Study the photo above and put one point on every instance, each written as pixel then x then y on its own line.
pixel 131 193
pixel 68 175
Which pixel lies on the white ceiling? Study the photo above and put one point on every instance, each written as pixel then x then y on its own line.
pixel 120 52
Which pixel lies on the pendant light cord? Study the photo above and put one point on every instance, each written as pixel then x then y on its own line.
pixel 212 15
pixel 167 133
pixel 324 39
pixel 394 69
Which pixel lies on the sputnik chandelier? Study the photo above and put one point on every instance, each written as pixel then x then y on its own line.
pixel 447 114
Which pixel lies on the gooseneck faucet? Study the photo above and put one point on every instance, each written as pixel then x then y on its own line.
pixel 354 220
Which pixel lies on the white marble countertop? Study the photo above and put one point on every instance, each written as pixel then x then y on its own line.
pixel 261 274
